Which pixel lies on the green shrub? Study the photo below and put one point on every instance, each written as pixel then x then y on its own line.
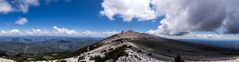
pixel 98 59
pixel 114 54
pixel 61 61
pixel 81 58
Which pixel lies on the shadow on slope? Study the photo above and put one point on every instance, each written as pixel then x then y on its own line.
pixel 189 51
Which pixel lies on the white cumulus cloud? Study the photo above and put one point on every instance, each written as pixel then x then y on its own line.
pixel 35 31
pixel 89 33
pixel 11 32
pixel 128 9
pixel 109 33
pixel 97 34
pixel 21 21
pixel 64 31
pixel 25 4
pixel 5 7
pixel 15 31
pixel 18 32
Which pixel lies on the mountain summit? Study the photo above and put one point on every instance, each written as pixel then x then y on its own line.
pixel 131 46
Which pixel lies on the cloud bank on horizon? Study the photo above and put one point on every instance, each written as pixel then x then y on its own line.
pixel 56 31
pixel 179 15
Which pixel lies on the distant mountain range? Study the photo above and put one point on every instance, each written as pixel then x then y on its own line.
pixel 43 44
pixel 28 39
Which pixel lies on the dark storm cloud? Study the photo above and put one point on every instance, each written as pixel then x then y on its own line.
pixel 181 15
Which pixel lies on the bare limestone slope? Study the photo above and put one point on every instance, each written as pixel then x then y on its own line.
pixel 6 60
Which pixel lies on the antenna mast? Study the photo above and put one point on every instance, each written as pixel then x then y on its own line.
pixel 130 27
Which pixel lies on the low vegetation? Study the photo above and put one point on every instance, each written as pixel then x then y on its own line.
pixel 81 58
pixel 62 61
pixel 113 55
pixel 98 59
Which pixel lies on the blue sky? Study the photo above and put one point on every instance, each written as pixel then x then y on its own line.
pixel 104 17
pixel 80 15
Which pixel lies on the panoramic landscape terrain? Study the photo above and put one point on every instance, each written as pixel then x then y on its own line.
pixel 119 31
